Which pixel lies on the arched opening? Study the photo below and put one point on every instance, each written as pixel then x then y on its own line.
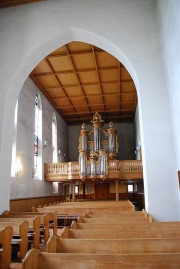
pixel 124 32
pixel 81 79
pixel 42 51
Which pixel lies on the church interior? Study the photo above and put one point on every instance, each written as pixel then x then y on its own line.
pixel 89 134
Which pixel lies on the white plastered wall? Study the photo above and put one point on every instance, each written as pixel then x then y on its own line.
pixel 169 22
pixel 25 185
pixel 128 30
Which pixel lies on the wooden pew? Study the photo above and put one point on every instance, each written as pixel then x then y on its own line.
pixel 76 210
pixel 20 235
pixel 112 220
pixel 66 218
pixel 34 225
pixel 119 233
pixel 113 246
pixel 133 214
pixel 121 204
pixel 62 211
pixel 126 225
pixel 6 235
pixel 94 207
pixel 38 260
pixel 52 218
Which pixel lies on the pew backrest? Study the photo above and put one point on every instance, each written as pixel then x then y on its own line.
pixel 6 235
pixel 115 246
pixel 38 260
pixel 119 233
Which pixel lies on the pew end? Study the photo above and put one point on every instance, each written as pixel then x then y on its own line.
pixel 6 235
pixel 30 261
pixel 74 225
pixel 65 232
pixel 51 244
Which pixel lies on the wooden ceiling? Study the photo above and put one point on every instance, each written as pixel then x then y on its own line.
pixel 80 79
pixel 10 3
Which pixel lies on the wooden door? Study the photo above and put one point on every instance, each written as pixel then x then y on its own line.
pixel 102 191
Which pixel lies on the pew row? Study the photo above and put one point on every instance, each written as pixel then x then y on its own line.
pixel 94 207
pixel 133 214
pixel 119 233
pixel 47 220
pixel 76 211
pixel 38 260
pixel 62 219
pixel 34 226
pixel 112 220
pixel 6 235
pixel 126 225
pixel 104 204
pixel 80 209
pixel 113 246
pixel 20 235
pixel 61 211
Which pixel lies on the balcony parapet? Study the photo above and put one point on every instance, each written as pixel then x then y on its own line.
pixel 69 171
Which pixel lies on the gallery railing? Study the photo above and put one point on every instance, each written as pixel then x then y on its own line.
pixel 66 171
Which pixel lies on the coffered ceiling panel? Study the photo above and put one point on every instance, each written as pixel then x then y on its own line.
pixel 92 90
pixel 48 81
pixel 73 91
pixel 60 64
pixel 80 79
pixel 55 92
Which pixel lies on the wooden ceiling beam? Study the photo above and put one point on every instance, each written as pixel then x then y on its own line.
pixel 75 53
pixel 11 3
pixel 84 70
pixel 100 111
pixel 104 82
pixel 96 95
pixel 51 67
pixel 125 118
pixel 41 88
pixel 97 72
pixel 92 84
pixel 98 104
pixel 77 77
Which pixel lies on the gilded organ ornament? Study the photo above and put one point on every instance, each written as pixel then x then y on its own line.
pixel 96 147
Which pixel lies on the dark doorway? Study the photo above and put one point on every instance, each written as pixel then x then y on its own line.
pixel 102 191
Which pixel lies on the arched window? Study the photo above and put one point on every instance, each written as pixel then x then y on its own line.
pixel 13 160
pixel 37 169
pixel 54 138
pixel 54 146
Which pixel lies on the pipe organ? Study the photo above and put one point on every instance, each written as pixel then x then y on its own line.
pixel 96 147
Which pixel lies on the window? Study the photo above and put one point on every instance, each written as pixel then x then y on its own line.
pixel 54 146
pixel 13 160
pixel 130 187
pixel 76 189
pixel 37 169
pixel 55 187
pixel 54 138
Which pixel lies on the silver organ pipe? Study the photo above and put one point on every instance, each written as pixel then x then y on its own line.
pixel 94 163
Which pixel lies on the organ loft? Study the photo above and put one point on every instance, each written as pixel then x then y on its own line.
pixel 97 165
